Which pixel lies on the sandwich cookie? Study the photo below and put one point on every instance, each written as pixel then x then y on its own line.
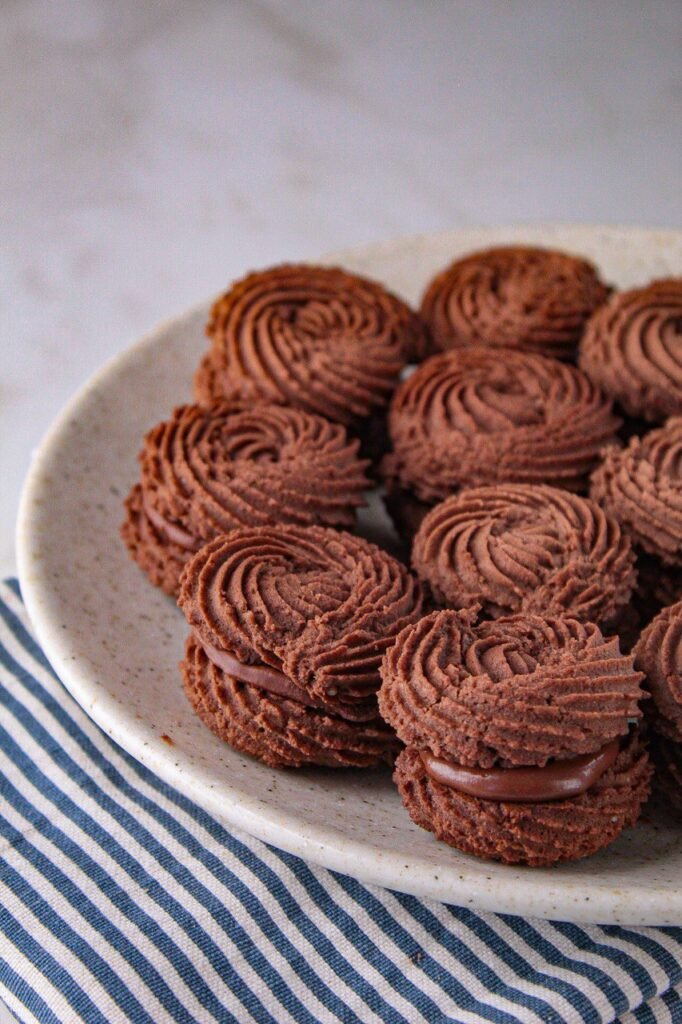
pixel 288 628
pixel 205 472
pixel 519 746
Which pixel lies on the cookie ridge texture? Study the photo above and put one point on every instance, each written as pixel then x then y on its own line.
pixel 319 605
pixel 207 471
pixel 658 653
pixel 522 297
pixel 632 348
pixel 280 732
pixel 473 417
pixel 525 548
pixel 519 690
pixel 641 487
pixel 319 338
pixel 536 834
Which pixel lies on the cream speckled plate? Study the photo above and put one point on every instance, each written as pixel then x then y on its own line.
pixel 116 641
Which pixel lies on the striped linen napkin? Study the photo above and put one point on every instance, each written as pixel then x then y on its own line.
pixel 121 900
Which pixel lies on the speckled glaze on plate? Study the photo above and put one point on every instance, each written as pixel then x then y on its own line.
pixel 116 641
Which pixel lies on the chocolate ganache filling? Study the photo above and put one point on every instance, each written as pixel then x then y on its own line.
pixel 271 679
pixel 558 780
pixel 171 531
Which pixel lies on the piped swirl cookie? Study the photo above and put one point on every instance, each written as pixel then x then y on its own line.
pixel 641 487
pixel 289 625
pixel 525 548
pixel 658 654
pixel 473 417
pixel 517 732
pixel 521 297
pixel 317 338
pixel 632 348
pixel 205 472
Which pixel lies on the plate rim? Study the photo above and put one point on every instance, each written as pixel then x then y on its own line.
pixel 325 848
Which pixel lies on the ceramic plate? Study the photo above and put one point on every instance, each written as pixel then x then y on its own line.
pixel 116 641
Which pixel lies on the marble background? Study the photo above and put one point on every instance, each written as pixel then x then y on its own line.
pixel 152 149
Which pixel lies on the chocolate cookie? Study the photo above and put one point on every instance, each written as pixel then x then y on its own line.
pixel 289 625
pixel 632 348
pixel 534 833
pixel 205 472
pixel 517 732
pixel 318 338
pixel 277 729
pixel 525 548
pixel 514 296
pixel 473 417
pixel 641 487
pixel 658 654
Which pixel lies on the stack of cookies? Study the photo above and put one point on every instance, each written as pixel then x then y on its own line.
pixel 532 465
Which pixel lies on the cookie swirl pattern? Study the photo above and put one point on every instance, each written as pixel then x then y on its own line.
pixel 537 300
pixel 519 690
pixel 525 548
pixel 318 605
pixel 318 338
pixel 473 417
pixel 641 486
pixel 205 472
pixel 632 348
pixel 658 654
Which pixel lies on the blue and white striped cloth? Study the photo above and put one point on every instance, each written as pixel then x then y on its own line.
pixel 120 900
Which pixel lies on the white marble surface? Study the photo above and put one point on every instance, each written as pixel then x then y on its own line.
pixel 152 149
